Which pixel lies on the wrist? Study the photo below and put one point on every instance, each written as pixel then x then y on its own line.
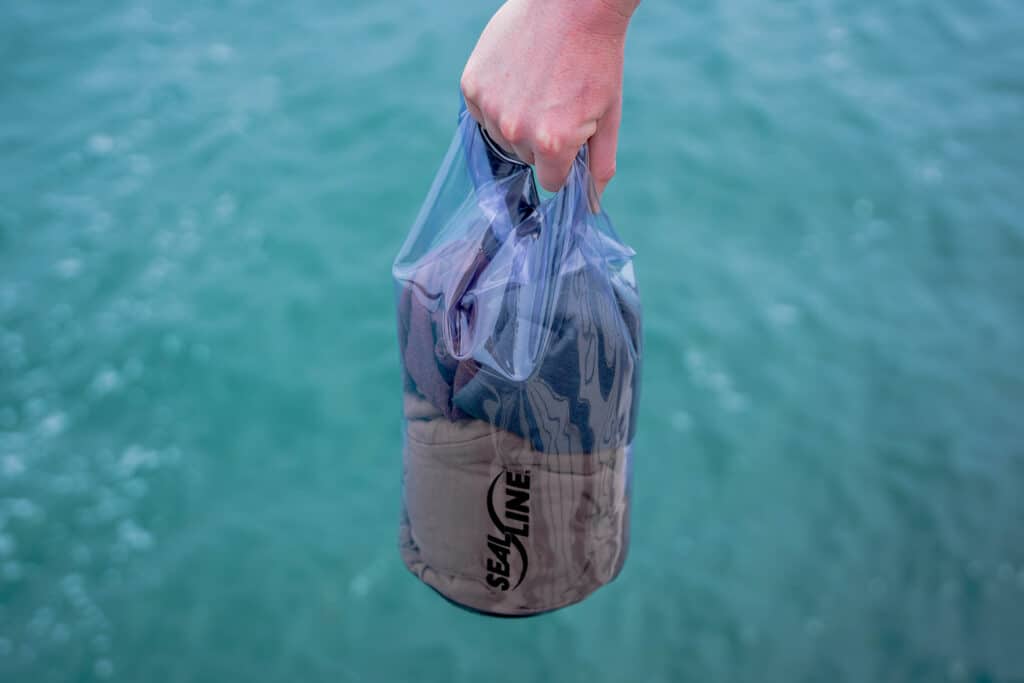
pixel 605 17
pixel 600 17
pixel 623 8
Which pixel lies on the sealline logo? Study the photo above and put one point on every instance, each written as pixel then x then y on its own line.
pixel 510 531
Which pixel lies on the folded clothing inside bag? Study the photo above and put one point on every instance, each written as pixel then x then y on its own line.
pixel 581 395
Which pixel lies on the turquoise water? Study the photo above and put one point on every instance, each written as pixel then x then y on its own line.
pixel 199 384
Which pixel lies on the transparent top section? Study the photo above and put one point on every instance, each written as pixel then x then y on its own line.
pixel 531 306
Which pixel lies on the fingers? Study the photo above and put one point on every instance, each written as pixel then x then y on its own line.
pixel 551 153
pixel 555 153
pixel 510 136
pixel 552 167
pixel 507 132
pixel 603 147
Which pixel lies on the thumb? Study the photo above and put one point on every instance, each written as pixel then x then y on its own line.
pixel 604 145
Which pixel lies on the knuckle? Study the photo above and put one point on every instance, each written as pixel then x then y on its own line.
pixel 468 83
pixel 512 128
pixel 489 108
pixel 549 142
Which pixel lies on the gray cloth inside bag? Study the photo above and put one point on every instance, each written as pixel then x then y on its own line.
pixel 577 528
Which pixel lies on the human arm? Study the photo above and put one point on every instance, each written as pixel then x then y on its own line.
pixel 546 77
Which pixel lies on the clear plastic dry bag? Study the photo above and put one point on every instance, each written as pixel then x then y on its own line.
pixel 519 333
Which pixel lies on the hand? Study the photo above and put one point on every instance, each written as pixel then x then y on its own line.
pixel 546 77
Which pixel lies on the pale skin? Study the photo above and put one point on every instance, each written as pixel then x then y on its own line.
pixel 545 78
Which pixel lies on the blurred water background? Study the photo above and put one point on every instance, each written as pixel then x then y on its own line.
pixel 199 384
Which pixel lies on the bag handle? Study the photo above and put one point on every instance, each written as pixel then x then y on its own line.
pixel 502 158
pixel 506 190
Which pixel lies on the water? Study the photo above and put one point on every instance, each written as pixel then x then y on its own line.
pixel 199 386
